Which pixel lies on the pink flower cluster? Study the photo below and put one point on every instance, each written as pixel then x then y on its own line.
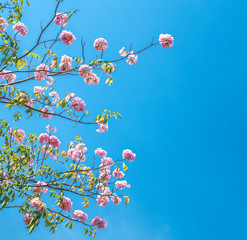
pixel 121 185
pixel 100 44
pixel 78 153
pixel 123 52
pixel 7 75
pixel 102 200
pixel 105 174
pixel 3 24
pixel 60 19
pixel 55 96
pixel 78 104
pixel 100 187
pixel 27 219
pixel 65 204
pixel 46 112
pixel 23 95
pixel 102 128
pixel 44 138
pixel 99 223
pixel 19 136
pixel 40 187
pixel 20 28
pixel 42 72
pixel 166 40
pixel 128 155
pixel 93 79
pixel 116 200
pixel 66 63
pixel 106 161
pixel 78 214
pixel 132 59
pixel 38 205
pixel 54 142
pixel 37 89
pixel 85 71
pixel 100 152
pixel 67 37
pixel 117 173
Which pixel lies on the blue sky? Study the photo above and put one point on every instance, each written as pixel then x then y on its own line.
pixel 184 115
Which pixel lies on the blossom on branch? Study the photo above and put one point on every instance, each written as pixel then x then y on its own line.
pixel 100 44
pixel 20 28
pixel 166 40
pixel 60 19
pixel 67 37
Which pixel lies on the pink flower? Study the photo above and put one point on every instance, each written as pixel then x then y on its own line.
pixel 55 96
pixel 132 59
pixel 54 141
pixel 106 161
pixel 77 104
pixel 37 204
pixel 3 24
pixel 19 136
pixel 108 68
pixel 100 187
pixel 128 155
pixel 123 52
pixel 100 44
pixel 37 89
pixel 102 128
pixel 121 184
pixel 20 28
pixel 45 112
pixel 27 219
pixel 78 155
pixel 44 138
pixel 67 37
pixel 29 103
pixel 93 79
pixel 85 71
pixel 102 200
pixel 65 204
pixel 99 223
pixel 105 175
pixel 116 200
pixel 43 71
pixel 39 188
pixel 78 214
pixel 166 40
pixel 100 152
pixel 23 95
pixel 66 63
pixel 60 19
pixel 117 173
pixel 10 77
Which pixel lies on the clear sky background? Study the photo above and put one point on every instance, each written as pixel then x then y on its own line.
pixel 184 115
